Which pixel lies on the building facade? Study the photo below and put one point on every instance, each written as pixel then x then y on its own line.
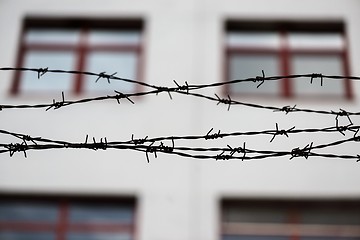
pixel 117 194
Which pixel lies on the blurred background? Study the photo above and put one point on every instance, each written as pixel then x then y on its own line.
pixel 116 194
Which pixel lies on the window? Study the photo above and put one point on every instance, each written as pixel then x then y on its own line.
pixel 286 48
pixel 290 220
pixel 66 218
pixel 91 45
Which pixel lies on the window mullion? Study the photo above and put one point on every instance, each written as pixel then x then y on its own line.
pixel 81 52
pixel 285 65
pixel 62 221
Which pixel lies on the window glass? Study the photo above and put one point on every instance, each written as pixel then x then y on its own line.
pixel 114 37
pixel 21 211
pixel 8 235
pixel 253 39
pixel 291 220
pixel 282 48
pixel 48 82
pixel 82 45
pixel 329 238
pixel 100 213
pixel 46 36
pixel 331 216
pixel 325 64
pixel 124 63
pixel 316 41
pixel 249 66
pixel 244 237
pixel 259 214
pixel 99 236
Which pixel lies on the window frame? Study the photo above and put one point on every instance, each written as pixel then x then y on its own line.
pixel 62 226
pixel 292 227
pixel 284 52
pixel 81 48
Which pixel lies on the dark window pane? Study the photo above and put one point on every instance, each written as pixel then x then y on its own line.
pixel 329 238
pixel 333 215
pixel 99 236
pixel 244 237
pixel 28 211
pixel 7 235
pixel 259 214
pixel 101 213
pixel 325 64
pixel 249 66
pixel 124 63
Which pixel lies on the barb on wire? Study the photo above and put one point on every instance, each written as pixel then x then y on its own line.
pixel 341 113
pixel 104 75
pixel 213 136
pixel 184 89
pixel 317 75
pixel 16 147
pixel 138 141
pixel 99 145
pixel 150 149
pixel 260 79
pixel 304 152
pixel 286 109
pixel 41 72
pixel 281 132
pixel 157 145
pixel 120 95
pixel 224 101
pixel 57 105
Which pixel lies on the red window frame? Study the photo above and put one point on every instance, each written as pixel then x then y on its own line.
pixel 285 52
pixel 82 48
pixel 292 228
pixel 62 226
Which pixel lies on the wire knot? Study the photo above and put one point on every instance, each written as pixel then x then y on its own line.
pixel 341 113
pixel 238 150
pixel 42 71
pixel 304 152
pixel 183 87
pixel 151 149
pixel 213 136
pixel 227 101
pixel 260 79
pixel 221 156
pixel 165 148
pixel 286 109
pixel 57 105
pixel 17 147
pixel 281 132
pixel 99 145
pixel 120 95
pixel 164 89
pixel 104 75
pixel 317 75
pixel 138 141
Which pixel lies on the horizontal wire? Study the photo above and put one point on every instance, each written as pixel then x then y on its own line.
pixel 184 90
pixel 157 146
pixel 223 153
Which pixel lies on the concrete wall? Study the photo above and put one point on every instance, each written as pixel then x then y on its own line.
pixel 179 198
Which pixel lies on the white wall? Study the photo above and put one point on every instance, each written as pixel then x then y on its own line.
pixel 178 197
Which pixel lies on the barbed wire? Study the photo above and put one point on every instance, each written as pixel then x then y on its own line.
pixel 185 89
pixel 157 145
